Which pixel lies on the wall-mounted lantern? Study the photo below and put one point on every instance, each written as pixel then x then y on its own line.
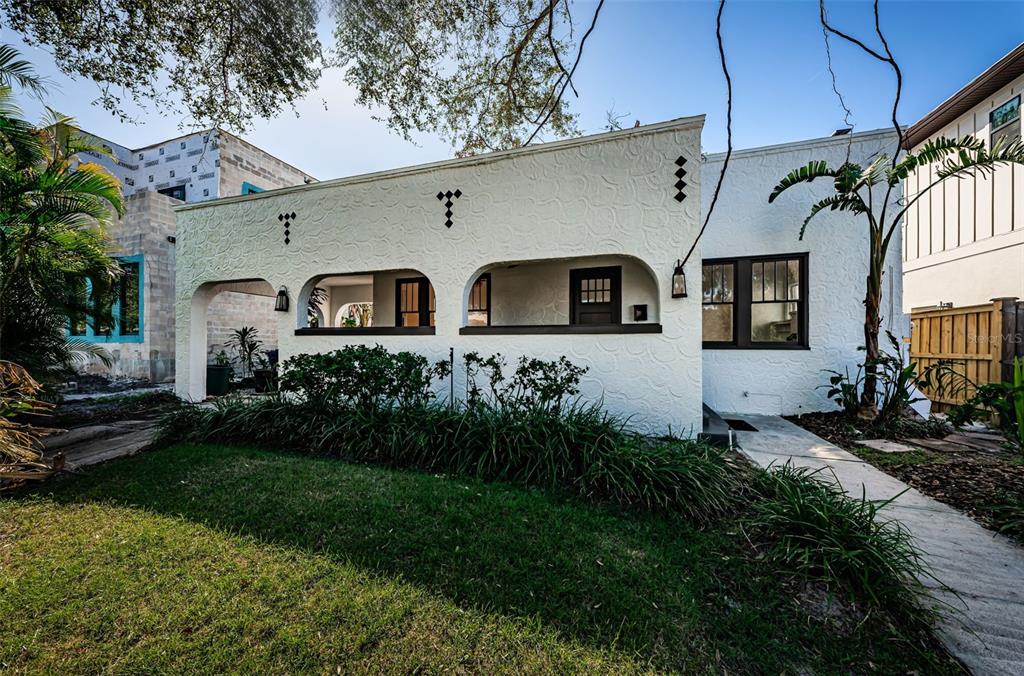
pixel 679 281
pixel 281 305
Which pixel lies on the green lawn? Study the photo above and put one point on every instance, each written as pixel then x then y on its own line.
pixel 226 559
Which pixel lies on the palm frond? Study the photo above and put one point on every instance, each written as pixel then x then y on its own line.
pixel 845 202
pixel 933 151
pixel 16 71
pixel 81 352
pixel 806 174
pixel 981 160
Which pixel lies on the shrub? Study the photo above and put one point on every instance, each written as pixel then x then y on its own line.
pixel 814 529
pixel 361 376
pixel 1006 400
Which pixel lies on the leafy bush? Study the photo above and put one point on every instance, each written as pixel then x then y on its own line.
pixel 362 377
pixel 897 377
pixel 1006 400
pixel 811 527
pixel 535 383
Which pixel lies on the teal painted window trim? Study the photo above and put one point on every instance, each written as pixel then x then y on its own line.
pixel 249 188
pixel 115 335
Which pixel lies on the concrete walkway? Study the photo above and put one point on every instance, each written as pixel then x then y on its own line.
pixel 986 569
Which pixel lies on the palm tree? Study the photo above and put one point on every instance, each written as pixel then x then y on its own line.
pixel 54 210
pixel 855 189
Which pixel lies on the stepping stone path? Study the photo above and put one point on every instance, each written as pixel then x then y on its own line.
pixel 986 630
pixel 93 444
pixel 887 446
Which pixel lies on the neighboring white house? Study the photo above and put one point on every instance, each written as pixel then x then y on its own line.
pixel 815 320
pixel 578 240
pixel 964 240
pixel 566 248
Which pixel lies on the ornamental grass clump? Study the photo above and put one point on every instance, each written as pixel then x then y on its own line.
pixel 529 428
pixel 810 527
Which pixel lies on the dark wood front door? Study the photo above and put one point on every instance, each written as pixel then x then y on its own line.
pixel 595 295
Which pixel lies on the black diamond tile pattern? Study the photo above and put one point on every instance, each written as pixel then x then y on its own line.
pixel 680 184
pixel 287 220
pixel 447 197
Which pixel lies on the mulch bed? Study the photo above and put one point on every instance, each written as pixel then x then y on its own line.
pixel 988 487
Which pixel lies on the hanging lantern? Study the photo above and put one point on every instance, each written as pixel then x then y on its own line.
pixel 679 281
pixel 282 300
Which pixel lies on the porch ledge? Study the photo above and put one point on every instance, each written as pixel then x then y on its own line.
pixel 366 331
pixel 551 329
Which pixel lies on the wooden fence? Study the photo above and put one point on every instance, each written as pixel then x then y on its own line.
pixel 978 341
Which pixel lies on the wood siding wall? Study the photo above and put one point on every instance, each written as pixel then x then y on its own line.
pixel 978 342
pixel 958 212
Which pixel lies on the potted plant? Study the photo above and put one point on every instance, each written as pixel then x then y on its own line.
pixel 264 375
pixel 246 345
pixel 218 375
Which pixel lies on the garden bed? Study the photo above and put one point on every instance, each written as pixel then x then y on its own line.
pixel 989 487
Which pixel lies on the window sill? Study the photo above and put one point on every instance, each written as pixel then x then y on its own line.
pixel 756 346
pixel 367 331
pixel 559 329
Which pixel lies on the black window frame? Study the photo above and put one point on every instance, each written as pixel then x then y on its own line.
pixel 173 192
pixel 426 314
pixel 486 276
pixel 743 303
pixel 612 272
pixel 993 131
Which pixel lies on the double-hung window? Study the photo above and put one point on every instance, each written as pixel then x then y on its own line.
pixel 755 302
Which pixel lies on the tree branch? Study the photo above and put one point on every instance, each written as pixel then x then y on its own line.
pixel 728 131
pixel 568 79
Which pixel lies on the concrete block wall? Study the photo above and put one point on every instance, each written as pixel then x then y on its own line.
pixel 144 229
pixel 241 162
pixel 230 310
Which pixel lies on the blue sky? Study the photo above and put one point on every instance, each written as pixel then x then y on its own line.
pixel 656 60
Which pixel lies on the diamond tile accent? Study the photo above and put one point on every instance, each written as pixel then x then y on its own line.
pixel 680 184
pixel 447 197
pixel 287 220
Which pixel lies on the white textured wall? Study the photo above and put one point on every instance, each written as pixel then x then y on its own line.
pixel 744 224
pixel 964 239
pixel 606 195
pixel 538 293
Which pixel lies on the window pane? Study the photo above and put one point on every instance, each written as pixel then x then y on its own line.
pixel 129 316
pixel 757 281
pixel 707 284
pixel 717 323
pixel 410 319
pixel 794 279
pixel 769 280
pixel 774 323
pixel 477 318
pixel 728 272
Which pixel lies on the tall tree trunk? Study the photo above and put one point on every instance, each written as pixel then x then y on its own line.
pixel 872 323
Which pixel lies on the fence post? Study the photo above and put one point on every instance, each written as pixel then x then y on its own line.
pixel 1004 345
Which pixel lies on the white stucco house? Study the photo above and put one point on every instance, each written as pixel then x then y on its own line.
pixel 566 248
